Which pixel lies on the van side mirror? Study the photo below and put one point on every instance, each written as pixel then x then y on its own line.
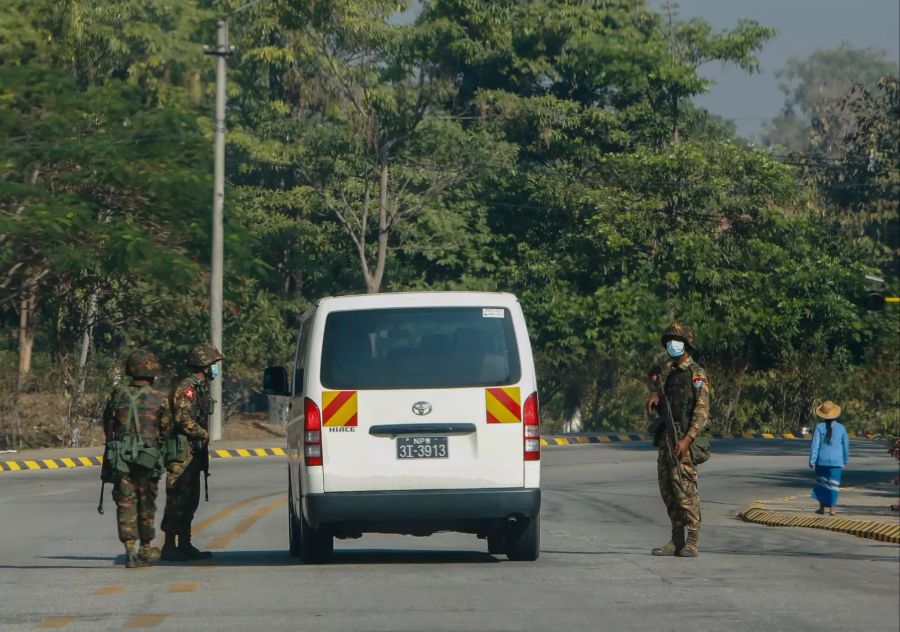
pixel 275 381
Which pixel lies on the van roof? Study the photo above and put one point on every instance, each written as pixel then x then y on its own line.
pixel 418 299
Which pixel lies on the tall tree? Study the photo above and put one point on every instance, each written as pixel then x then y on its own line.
pixel 810 84
pixel 355 114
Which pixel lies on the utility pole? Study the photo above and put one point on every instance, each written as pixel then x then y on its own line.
pixel 221 51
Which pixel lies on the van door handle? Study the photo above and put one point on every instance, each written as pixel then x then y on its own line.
pixel 393 430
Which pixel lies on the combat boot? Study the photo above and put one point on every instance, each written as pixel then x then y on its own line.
pixel 673 546
pixel 692 546
pixel 131 558
pixel 190 551
pixel 147 554
pixel 170 552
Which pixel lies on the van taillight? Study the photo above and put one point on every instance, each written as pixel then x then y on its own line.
pixel 312 433
pixel 531 427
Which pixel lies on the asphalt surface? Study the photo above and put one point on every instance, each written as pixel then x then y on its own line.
pixel 61 565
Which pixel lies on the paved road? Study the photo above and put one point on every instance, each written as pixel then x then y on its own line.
pixel 60 563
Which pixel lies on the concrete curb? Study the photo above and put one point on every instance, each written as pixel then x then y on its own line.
pixel 871 529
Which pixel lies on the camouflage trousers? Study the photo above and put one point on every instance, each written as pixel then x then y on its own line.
pixel 682 498
pixel 135 498
pixel 182 497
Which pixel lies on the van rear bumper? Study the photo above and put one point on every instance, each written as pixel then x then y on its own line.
pixel 430 505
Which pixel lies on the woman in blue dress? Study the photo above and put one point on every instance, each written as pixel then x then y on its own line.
pixel 828 454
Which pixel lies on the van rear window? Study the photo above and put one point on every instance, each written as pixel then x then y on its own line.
pixel 409 348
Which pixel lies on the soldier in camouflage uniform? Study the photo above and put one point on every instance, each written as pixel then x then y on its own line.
pixel 686 386
pixel 191 407
pixel 135 492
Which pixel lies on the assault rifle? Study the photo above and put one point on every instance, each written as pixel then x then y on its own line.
pixel 667 428
pixel 201 454
pixel 201 451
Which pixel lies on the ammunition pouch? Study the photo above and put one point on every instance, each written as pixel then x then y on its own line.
pixel 178 448
pixel 701 449
pixel 121 454
pixel 115 465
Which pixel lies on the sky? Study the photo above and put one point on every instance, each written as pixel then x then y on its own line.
pixel 804 26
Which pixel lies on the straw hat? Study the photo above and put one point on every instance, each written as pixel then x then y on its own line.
pixel 828 410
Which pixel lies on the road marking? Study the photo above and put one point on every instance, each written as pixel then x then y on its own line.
pixel 224 540
pixel 56 622
pixel 228 510
pixel 85 461
pixel 145 620
pixel 68 462
pixel 221 514
pixel 112 589
pixel 183 587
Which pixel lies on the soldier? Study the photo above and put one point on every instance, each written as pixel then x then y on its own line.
pixel 686 387
pixel 186 453
pixel 135 418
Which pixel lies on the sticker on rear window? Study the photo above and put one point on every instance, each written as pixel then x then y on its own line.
pixel 492 312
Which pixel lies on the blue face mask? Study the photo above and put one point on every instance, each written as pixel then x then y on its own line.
pixel 214 371
pixel 675 348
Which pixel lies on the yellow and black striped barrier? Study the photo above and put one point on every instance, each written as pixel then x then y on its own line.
pixel 871 529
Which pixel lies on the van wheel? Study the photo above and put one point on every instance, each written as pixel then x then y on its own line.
pixel 316 545
pixel 523 539
pixel 293 525
pixel 496 544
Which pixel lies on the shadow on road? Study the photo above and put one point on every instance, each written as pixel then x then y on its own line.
pixel 281 557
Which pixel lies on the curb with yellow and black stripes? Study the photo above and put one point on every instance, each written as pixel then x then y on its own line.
pixel 871 529
pixel 582 439
pixel 89 461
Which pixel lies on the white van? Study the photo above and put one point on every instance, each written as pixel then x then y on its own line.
pixel 413 413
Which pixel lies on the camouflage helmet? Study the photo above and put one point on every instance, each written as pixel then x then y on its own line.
pixel 680 331
pixel 203 355
pixel 142 364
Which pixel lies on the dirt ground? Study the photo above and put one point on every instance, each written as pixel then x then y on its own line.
pixel 250 427
pixel 42 420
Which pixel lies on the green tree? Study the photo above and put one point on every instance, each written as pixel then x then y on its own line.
pixel 355 123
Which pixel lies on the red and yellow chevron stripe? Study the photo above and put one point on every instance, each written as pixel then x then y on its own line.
pixel 503 405
pixel 339 408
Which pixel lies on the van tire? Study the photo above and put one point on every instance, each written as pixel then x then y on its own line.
pixel 496 544
pixel 293 526
pixel 316 545
pixel 523 539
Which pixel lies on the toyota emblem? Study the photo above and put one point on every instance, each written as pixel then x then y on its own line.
pixel 421 408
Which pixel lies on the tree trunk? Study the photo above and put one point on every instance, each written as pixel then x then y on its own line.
pixel 374 282
pixel 27 304
pixel 735 397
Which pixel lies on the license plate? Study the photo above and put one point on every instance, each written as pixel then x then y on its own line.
pixel 422 448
